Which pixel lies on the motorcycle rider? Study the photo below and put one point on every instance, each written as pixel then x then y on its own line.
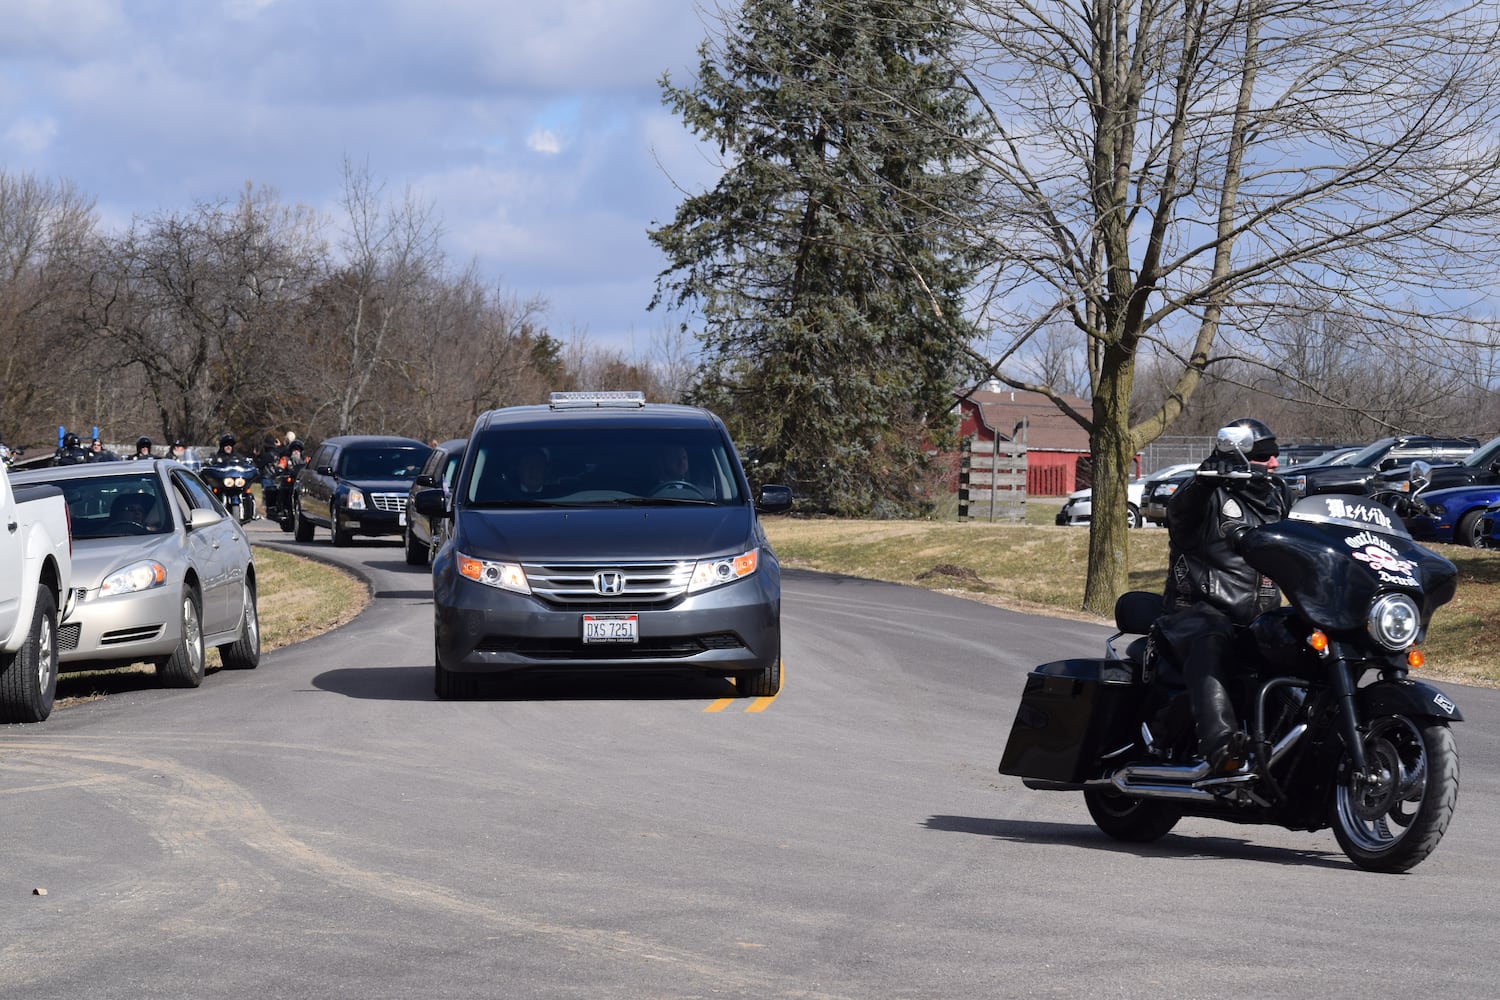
pixel 1210 588
pixel 72 451
pixel 142 449
pixel 226 455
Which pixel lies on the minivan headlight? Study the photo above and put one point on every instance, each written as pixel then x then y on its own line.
pixel 500 575
pixel 726 569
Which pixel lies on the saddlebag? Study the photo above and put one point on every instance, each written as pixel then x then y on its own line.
pixel 1072 713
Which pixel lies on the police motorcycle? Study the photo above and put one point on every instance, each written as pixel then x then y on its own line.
pixel 1340 735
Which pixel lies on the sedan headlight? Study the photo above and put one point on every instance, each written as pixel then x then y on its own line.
pixel 354 500
pixel 1394 621
pixel 134 579
pixel 715 572
pixel 500 575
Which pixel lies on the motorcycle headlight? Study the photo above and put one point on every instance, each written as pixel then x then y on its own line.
pixel 714 572
pixel 237 481
pixel 133 579
pixel 1394 621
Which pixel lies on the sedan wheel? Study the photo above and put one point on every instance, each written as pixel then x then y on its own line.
pixel 184 668
pixel 244 652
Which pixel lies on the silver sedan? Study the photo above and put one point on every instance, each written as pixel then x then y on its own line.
pixel 160 572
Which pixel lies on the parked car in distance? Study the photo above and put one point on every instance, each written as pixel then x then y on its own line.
pixel 1159 487
pixel 1079 507
pixel 356 484
pixel 1480 468
pixel 161 571
pixel 1356 474
pixel 1451 515
pixel 423 532
pixel 600 532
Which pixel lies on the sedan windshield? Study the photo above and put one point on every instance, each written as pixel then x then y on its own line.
pixel 113 506
pixel 594 466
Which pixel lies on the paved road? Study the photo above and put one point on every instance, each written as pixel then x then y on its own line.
pixel 323 828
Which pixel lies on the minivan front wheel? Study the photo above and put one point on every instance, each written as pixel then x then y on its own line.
pixel 762 683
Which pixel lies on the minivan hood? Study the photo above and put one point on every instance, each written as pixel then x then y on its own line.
pixel 568 534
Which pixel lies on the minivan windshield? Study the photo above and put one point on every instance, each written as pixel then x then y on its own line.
pixel 601 466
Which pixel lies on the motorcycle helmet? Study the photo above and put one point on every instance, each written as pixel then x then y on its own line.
pixel 225 440
pixel 142 442
pixel 1263 445
pixel 71 441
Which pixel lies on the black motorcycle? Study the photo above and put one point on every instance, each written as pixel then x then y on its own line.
pixel 231 484
pixel 1340 735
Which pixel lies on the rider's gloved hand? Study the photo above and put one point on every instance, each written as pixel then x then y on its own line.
pixel 1221 464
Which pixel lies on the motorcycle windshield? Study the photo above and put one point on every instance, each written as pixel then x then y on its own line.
pixel 1333 554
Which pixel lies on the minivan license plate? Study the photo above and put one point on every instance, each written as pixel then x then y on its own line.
pixel 611 628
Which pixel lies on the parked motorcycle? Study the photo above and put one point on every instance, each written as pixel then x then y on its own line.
pixel 1375 760
pixel 231 484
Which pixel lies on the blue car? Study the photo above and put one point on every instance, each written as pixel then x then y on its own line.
pixel 1454 515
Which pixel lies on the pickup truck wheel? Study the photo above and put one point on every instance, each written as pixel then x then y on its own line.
pixel 244 652
pixel 28 677
pixel 184 668
pixel 304 527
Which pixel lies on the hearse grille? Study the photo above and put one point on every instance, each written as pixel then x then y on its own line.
pixel 395 502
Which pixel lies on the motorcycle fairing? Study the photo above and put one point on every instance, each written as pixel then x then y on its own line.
pixel 1333 554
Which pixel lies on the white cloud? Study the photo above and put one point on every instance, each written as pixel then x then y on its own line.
pixel 31 136
pixel 544 141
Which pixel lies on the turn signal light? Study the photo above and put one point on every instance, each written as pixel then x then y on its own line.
pixel 1319 642
pixel 1416 659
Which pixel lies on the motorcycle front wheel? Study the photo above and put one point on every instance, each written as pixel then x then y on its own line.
pixel 1135 821
pixel 1392 819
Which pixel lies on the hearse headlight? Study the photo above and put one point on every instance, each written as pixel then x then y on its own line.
pixel 1394 621
pixel 134 578
pixel 500 575
pixel 354 499
pixel 727 569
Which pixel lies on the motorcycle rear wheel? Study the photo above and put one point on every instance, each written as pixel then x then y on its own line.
pixel 1391 824
pixel 1135 821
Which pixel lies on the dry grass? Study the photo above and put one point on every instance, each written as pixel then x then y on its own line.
pixel 1040 568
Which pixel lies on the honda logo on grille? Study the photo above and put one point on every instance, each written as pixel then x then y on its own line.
pixel 610 582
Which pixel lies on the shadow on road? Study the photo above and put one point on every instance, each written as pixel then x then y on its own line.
pixel 415 684
pixel 1179 846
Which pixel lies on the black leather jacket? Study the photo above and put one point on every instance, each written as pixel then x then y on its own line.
pixel 1205 519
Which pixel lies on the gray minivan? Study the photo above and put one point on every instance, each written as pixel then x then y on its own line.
pixel 604 533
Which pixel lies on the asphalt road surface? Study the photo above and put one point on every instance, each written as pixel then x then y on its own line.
pixel 323 827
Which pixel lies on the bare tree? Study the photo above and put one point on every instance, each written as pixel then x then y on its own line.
pixel 197 302
pixel 1169 171
pixel 46 231
pixel 391 257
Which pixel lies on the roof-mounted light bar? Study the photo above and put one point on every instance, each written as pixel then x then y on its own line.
pixel 578 400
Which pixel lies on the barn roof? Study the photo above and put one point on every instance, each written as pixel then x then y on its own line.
pixel 1046 427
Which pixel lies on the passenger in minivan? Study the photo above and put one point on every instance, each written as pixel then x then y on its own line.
pixel 531 472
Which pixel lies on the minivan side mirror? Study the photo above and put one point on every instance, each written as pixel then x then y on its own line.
pixel 774 499
pixel 431 503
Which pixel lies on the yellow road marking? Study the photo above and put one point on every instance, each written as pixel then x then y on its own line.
pixel 719 705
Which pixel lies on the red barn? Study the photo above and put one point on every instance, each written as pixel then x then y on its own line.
pixel 1057 449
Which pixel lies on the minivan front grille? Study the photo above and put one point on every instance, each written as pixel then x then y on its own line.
pixel 637 583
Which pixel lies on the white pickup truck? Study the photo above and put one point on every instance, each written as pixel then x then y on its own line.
pixel 36 568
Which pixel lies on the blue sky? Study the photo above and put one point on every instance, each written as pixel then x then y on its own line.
pixel 534 129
